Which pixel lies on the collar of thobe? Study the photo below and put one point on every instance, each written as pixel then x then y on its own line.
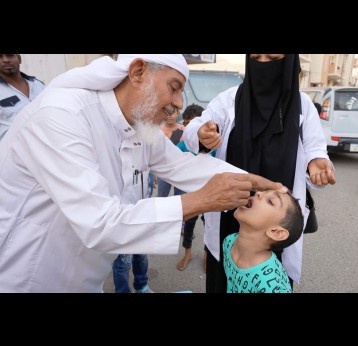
pixel 110 105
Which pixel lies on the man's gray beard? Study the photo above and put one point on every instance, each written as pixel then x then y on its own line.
pixel 147 132
pixel 143 112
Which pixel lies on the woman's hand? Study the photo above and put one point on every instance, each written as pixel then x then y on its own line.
pixel 208 135
pixel 321 171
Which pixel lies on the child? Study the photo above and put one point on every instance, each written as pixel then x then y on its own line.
pixel 190 113
pixel 270 221
pixel 174 132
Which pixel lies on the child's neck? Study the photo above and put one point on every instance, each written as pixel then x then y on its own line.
pixel 248 251
pixel 171 126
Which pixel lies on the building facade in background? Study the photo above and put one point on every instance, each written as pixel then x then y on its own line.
pixel 328 70
pixel 317 69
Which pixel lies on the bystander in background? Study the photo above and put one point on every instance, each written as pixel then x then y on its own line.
pixel 191 112
pixel 16 89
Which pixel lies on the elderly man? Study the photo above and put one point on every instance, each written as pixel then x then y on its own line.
pixel 71 175
pixel 17 89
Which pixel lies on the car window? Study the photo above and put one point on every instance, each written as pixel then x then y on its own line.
pixel 346 100
pixel 203 86
pixel 207 85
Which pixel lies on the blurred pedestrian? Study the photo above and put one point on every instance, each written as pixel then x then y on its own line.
pixel 189 114
pixel 174 132
pixel 17 89
pixel 121 267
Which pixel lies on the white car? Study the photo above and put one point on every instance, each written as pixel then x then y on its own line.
pixel 338 115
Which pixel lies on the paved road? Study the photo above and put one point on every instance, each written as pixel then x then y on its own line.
pixel 330 261
pixel 330 256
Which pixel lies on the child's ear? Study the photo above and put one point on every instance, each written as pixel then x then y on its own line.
pixel 277 233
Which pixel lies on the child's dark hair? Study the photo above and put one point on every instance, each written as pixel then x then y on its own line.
pixel 192 111
pixel 293 222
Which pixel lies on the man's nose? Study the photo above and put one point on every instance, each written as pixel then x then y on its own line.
pixel 178 100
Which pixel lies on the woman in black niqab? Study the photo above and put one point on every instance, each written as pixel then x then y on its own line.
pixel 265 136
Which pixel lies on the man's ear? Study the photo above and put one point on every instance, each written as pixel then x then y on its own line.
pixel 136 71
pixel 277 233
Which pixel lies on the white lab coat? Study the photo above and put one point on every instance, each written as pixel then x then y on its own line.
pixel 70 202
pixel 222 110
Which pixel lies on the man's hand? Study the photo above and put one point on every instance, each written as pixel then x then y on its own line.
pixel 223 191
pixel 321 172
pixel 260 184
pixel 208 135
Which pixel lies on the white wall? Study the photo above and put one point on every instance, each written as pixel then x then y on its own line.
pixel 43 66
pixel 47 66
